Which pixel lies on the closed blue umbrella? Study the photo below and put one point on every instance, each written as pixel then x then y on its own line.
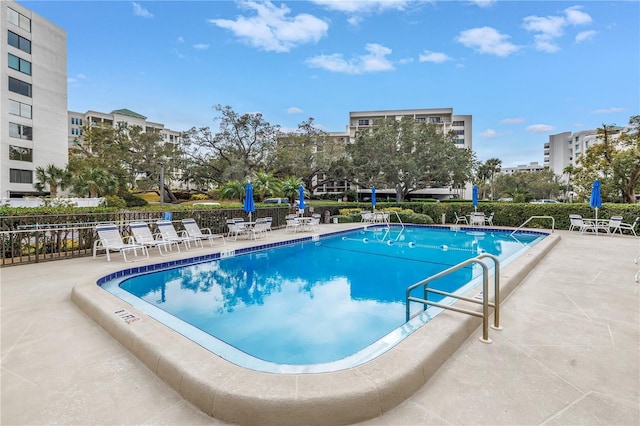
pixel 249 206
pixel 301 198
pixel 474 198
pixel 373 197
pixel 596 199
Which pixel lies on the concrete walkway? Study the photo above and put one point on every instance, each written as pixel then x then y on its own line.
pixel 568 354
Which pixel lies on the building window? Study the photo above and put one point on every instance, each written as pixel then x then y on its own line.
pixel 460 132
pixel 458 123
pixel 20 109
pixel 19 86
pixel 459 141
pixel 363 122
pixel 19 42
pixel 420 120
pixel 20 132
pixel 18 19
pixel 20 176
pixel 20 154
pixel 19 64
pixel 434 119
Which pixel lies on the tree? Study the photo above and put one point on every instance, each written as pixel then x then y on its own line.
pixel 569 170
pixel 493 167
pixel 525 186
pixel 52 176
pixel 241 147
pixel 265 185
pixel 290 187
pixel 232 190
pixel 614 161
pixel 95 182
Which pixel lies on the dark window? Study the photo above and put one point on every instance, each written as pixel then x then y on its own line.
pixel 19 64
pixel 19 153
pixel 458 123
pixel 459 132
pixel 20 131
pixel 434 119
pixel 19 86
pixel 19 42
pixel 20 176
pixel 363 122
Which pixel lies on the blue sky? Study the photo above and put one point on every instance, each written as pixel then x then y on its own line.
pixel 523 69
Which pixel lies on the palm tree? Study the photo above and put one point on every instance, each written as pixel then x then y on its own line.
pixel 53 176
pixel 234 189
pixel 95 182
pixel 493 167
pixel 569 170
pixel 290 187
pixel 265 184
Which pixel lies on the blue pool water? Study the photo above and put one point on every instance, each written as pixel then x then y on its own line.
pixel 315 302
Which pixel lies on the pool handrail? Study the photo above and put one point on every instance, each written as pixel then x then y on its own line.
pixel 553 223
pixel 485 294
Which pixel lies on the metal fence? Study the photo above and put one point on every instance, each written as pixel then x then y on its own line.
pixel 40 238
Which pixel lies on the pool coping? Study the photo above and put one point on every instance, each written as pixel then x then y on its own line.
pixel 239 395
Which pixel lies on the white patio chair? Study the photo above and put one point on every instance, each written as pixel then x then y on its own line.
pixel 314 224
pixel 461 219
pixel 109 239
pixel 477 219
pixel 489 220
pixel 236 228
pixel 143 236
pixel 366 216
pixel 260 228
pixel 576 222
pixel 193 230
pixel 292 224
pixel 169 233
pixel 617 225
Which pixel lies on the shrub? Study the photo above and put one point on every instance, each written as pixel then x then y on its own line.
pixel 132 200
pixel 199 197
pixel 342 219
pixel 114 201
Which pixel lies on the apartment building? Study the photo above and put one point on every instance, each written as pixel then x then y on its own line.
pixel 444 118
pixel 77 120
pixel 566 148
pixel 33 98
pixel 532 167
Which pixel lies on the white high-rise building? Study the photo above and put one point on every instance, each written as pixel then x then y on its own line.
pixel 33 98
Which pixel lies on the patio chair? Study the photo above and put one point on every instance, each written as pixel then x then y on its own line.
pixel 193 230
pixel 143 236
pixel 169 233
pixel 617 225
pixel 292 224
pixel 477 219
pixel 260 228
pixel 109 239
pixel 315 221
pixel 236 228
pixel 366 216
pixel 576 222
pixel 461 219
pixel 489 220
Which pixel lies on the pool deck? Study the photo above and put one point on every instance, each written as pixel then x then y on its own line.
pixel 568 352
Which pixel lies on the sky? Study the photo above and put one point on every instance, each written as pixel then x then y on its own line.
pixel 523 69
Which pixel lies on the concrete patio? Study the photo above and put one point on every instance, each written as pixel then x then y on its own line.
pixel 568 353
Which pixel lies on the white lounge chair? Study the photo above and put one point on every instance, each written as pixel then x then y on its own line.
pixel 109 239
pixel 236 228
pixel 169 233
pixel 143 236
pixel 193 230
pixel 578 223
pixel 461 219
pixel 617 225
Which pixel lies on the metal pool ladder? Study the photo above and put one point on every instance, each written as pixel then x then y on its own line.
pixel 485 294
pixel 553 223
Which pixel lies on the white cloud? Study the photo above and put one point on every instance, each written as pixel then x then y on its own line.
pixel 77 78
pixel 201 46
pixel 294 110
pixel 513 120
pixel 550 28
pixel 540 128
pixel 487 40
pixel 374 61
pixel 362 6
pixel 436 57
pixel 607 110
pixel 585 36
pixel 180 39
pixel 141 11
pixel 489 134
pixel 484 3
pixel 272 29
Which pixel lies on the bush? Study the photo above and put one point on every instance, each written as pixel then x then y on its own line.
pixel 114 201
pixel 199 197
pixel 342 219
pixel 182 195
pixel 132 200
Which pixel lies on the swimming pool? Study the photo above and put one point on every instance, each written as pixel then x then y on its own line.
pixel 319 305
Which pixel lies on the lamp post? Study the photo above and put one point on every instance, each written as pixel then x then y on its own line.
pixel 161 182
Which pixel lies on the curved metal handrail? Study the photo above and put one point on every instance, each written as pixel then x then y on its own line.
pixel 553 223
